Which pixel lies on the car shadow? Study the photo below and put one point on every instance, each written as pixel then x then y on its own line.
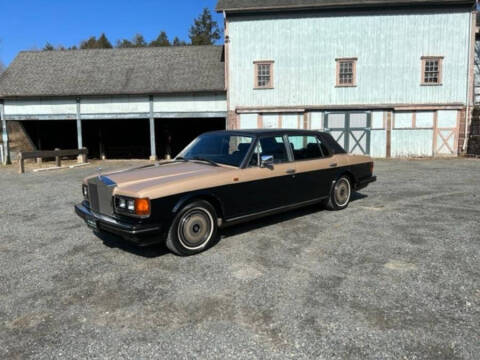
pixel 279 218
pixel 148 251
pixel 157 250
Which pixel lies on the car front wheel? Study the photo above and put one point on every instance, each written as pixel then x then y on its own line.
pixel 340 194
pixel 194 229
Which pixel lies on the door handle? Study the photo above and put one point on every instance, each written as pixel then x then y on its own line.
pixel 291 171
pixel 333 165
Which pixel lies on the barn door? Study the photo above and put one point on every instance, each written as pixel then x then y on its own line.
pixel 351 130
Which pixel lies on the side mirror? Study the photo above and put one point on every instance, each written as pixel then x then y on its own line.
pixel 266 161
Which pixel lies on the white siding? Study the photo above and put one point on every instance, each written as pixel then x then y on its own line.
pixel 114 105
pixel 204 103
pixel 40 107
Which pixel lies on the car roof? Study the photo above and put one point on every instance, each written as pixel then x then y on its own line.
pixel 266 132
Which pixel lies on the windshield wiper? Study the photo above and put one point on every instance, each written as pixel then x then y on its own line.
pixel 211 162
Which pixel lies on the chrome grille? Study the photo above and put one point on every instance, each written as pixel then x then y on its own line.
pixel 100 194
pixel 93 196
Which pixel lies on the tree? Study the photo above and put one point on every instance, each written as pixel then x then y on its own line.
pixel 178 42
pixel 161 40
pixel 205 30
pixel 103 42
pixel 137 41
pixel 93 43
pixel 48 47
pixel 2 67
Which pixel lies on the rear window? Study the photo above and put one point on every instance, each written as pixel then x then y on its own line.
pixel 332 145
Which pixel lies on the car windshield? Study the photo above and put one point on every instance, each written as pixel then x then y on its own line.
pixel 219 148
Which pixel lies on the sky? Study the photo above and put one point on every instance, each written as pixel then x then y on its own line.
pixel 29 24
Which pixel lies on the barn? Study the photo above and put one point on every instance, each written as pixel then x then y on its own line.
pixel 119 103
pixel 385 78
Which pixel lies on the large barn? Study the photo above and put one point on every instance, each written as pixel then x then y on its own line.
pixel 119 103
pixel 386 78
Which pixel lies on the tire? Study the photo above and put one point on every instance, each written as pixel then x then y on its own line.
pixel 194 229
pixel 340 194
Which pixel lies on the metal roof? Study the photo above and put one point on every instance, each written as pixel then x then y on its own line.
pixel 278 5
pixel 156 70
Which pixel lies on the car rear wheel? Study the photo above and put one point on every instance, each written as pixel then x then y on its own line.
pixel 193 230
pixel 340 194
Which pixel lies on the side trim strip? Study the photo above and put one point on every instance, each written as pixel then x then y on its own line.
pixel 274 210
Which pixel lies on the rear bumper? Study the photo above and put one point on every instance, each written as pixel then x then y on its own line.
pixel 140 234
pixel 364 182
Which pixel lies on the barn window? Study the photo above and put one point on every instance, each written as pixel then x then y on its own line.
pixel 263 74
pixel 432 70
pixel 346 71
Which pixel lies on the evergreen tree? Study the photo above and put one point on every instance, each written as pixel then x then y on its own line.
pixel 103 42
pixel 48 47
pixel 205 30
pixel 178 42
pixel 2 67
pixel 139 41
pixel 124 43
pixel 93 43
pixel 161 40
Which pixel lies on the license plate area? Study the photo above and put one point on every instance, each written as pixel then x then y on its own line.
pixel 91 223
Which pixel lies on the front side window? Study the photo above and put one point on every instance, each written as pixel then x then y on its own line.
pixel 220 148
pixel 305 147
pixel 346 71
pixel 431 70
pixel 274 146
pixel 263 74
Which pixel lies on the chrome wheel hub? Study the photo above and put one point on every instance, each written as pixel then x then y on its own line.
pixel 342 192
pixel 195 228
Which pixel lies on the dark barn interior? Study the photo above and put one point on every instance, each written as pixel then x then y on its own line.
pixel 120 138
pixel 51 134
pixel 117 139
pixel 182 132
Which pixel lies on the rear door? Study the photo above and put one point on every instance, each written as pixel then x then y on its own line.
pixel 314 167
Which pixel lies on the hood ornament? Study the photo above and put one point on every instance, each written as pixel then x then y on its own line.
pixel 99 170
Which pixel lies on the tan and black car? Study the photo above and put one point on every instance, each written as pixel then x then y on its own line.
pixel 222 178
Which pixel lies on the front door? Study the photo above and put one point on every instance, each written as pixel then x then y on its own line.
pixel 262 188
pixel 351 130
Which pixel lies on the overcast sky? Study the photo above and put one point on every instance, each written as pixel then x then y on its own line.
pixel 29 24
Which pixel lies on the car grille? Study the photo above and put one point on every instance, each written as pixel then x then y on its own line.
pixel 100 196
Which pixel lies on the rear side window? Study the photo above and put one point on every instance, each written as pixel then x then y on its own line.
pixel 328 140
pixel 274 146
pixel 305 147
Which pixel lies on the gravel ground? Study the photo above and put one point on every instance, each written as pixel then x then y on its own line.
pixel 394 276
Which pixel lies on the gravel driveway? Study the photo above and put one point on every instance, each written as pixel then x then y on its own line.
pixel 394 276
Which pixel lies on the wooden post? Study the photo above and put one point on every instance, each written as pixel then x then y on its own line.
pixel 58 160
pixel 21 164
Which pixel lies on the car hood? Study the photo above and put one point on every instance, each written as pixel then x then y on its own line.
pixel 138 182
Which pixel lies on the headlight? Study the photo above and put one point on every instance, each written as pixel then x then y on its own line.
pixel 132 206
pixel 85 191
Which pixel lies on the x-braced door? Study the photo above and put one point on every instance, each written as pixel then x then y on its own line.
pixel 351 130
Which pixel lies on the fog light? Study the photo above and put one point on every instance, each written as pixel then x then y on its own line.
pixel 122 203
pixel 131 205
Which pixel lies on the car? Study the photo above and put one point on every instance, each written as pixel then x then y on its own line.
pixel 222 178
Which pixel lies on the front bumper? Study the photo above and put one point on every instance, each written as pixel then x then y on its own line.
pixel 364 182
pixel 141 234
